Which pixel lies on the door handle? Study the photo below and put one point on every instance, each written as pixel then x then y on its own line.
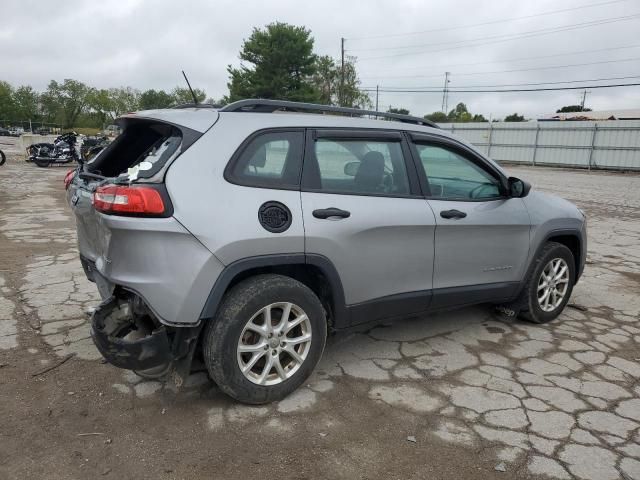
pixel 324 213
pixel 452 214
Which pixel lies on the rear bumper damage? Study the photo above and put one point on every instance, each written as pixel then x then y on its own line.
pixel 157 258
pixel 128 336
pixel 127 340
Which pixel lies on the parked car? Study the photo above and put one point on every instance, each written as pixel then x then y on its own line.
pixel 4 132
pixel 244 236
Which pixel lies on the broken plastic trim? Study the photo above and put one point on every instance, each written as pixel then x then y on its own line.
pixel 128 336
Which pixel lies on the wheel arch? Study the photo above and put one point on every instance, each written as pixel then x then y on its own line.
pixel 315 271
pixel 569 237
pixel 571 240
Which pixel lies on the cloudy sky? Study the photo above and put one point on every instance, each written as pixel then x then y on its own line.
pixel 399 44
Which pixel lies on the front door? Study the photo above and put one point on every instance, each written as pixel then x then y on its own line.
pixel 364 213
pixel 482 235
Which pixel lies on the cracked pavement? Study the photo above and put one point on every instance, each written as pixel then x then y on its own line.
pixel 479 395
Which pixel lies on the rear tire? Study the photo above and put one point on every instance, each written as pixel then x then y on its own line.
pixel 3 158
pixel 256 360
pixel 549 284
pixel 43 163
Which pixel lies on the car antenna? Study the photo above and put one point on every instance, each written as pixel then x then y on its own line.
pixel 195 99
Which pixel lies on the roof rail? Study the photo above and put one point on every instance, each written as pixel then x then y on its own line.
pixel 197 105
pixel 269 106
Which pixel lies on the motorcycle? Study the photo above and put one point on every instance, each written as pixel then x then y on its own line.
pixel 64 149
pixel 91 146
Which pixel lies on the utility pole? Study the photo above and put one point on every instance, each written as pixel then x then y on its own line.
pixel 341 96
pixel 377 97
pixel 445 92
pixel 584 97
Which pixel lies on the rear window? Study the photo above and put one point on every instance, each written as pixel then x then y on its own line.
pixel 140 151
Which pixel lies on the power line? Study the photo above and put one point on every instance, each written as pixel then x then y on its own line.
pixel 532 33
pixel 624 47
pixel 515 84
pixel 504 35
pixel 548 67
pixel 491 22
pixel 514 90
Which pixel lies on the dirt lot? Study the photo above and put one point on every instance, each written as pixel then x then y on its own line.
pixel 465 394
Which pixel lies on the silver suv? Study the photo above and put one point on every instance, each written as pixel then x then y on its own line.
pixel 242 235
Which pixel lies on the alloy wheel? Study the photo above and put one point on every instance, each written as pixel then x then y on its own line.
pixel 553 284
pixel 274 343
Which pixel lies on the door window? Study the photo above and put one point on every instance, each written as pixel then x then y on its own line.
pixel 454 177
pixel 365 167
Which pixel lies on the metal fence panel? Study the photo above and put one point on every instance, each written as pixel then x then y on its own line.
pixel 611 144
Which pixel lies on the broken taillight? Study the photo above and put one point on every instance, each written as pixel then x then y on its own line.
pixel 129 200
pixel 68 178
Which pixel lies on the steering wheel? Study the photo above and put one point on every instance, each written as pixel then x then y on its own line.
pixel 477 191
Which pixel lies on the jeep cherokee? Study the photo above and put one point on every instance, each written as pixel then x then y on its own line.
pixel 244 234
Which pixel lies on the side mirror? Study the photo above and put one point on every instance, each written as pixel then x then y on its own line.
pixel 518 188
pixel 351 168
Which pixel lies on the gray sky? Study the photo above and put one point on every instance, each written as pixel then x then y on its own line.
pixel 145 44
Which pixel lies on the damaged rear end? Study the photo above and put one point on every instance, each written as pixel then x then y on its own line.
pixel 134 249
pixel 128 336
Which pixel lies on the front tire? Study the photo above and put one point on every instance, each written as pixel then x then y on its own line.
pixel 549 285
pixel 3 158
pixel 266 339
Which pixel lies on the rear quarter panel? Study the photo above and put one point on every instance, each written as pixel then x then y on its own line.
pixel 222 215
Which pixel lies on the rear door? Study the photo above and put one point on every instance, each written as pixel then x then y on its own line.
pixel 363 211
pixel 482 235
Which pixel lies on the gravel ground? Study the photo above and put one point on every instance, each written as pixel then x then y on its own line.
pixel 464 394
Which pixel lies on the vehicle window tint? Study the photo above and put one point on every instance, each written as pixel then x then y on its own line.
pixel 452 176
pixel 271 159
pixel 361 167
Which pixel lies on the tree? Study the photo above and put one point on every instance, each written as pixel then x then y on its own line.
pixel 281 61
pixel 26 103
pixel 326 80
pixel 572 108
pixel 401 111
pixel 7 104
pixel 438 117
pixel 514 117
pixel 152 99
pixel 110 104
pixel 180 96
pixel 460 114
pixel 65 101
pixel 328 83
pixel 221 102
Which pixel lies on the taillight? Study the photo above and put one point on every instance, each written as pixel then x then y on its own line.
pixel 68 178
pixel 116 199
